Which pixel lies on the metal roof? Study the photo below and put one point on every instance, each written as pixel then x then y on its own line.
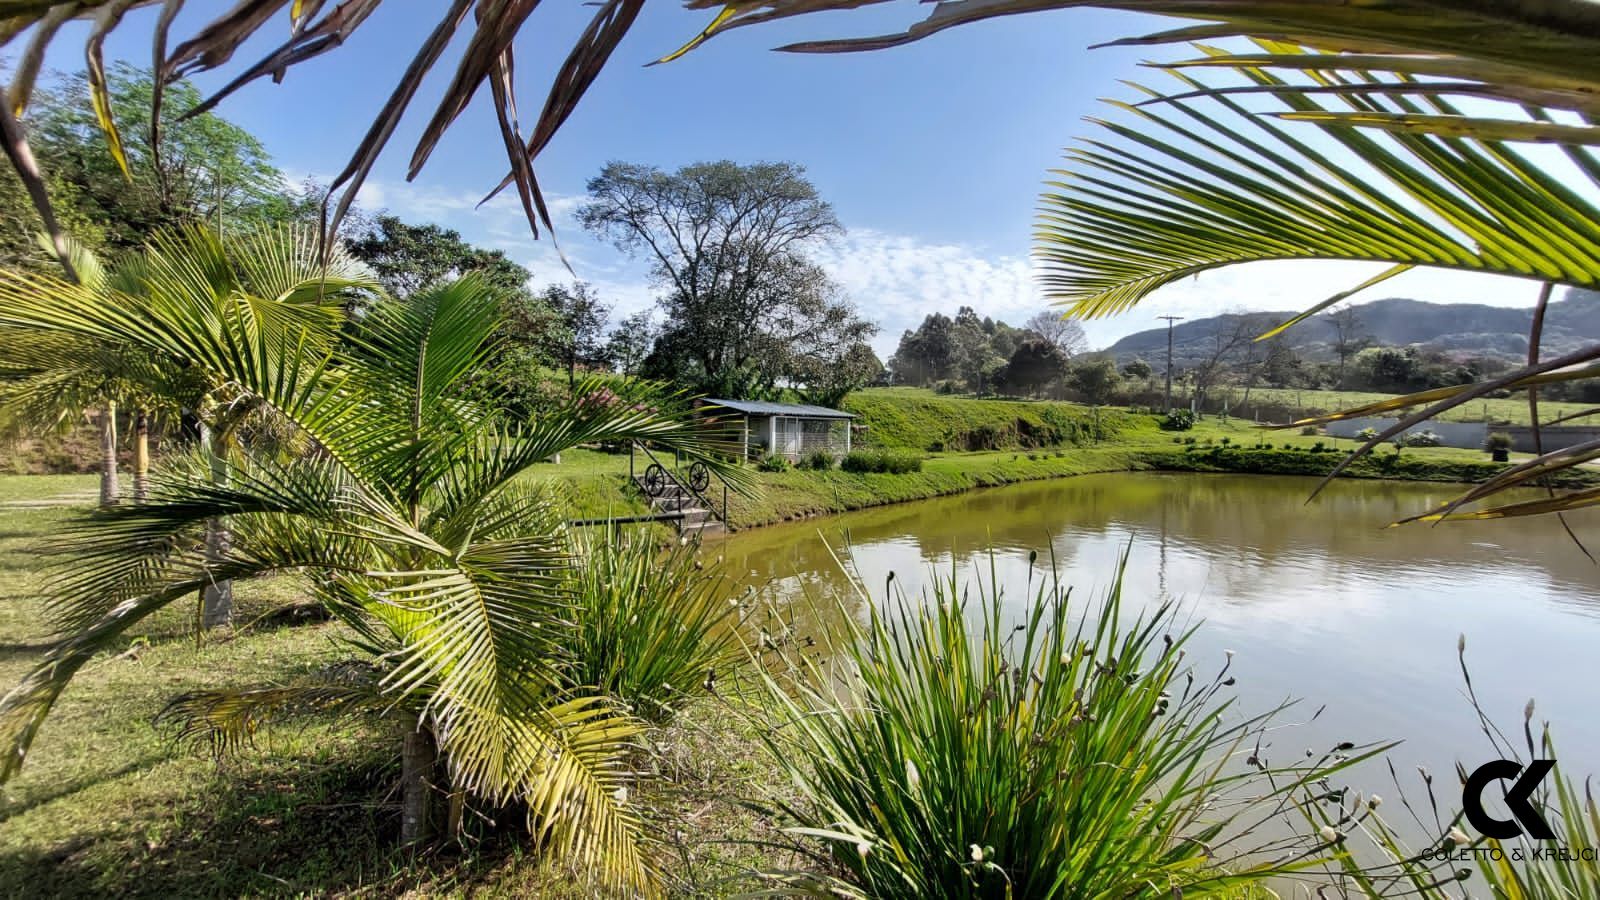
pixel 798 410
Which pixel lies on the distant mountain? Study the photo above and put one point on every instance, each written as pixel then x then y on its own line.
pixel 1467 329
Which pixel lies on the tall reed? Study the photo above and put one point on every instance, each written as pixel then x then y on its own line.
pixel 974 749
pixel 652 627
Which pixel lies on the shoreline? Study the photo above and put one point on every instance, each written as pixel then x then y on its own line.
pixel 803 495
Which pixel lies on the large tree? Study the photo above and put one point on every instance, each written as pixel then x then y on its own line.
pixel 926 354
pixel 1349 337
pixel 1067 334
pixel 1094 379
pixel 407 258
pixel 582 317
pixel 1036 363
pixel 729 244
pixel 208 169
pixel 629 343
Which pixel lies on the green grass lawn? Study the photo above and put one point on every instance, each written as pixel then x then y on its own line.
pixel 596 484
pixel 1505 409
pixel 25 488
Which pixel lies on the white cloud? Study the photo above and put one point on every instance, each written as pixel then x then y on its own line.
pixel 897 279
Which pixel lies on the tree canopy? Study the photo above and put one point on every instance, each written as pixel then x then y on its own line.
pixel 407 258
pixel 745 309
pixel 208 169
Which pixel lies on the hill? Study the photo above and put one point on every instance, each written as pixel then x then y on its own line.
pixel 1468 329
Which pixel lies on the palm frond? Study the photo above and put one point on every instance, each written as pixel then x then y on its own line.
pixel 225 721
pixel 1206 182
pixel 25 707
pixel 1540 52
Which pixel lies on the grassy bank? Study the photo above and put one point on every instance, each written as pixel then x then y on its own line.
pixel 919 419
pixel 1410 465
pixel 596 484
pixel 1500 409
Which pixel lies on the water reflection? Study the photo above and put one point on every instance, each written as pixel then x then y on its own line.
pixel 1320 601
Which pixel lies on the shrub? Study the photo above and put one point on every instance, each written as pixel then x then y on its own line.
pixel 1317 447
pixel 817 461
pixel 1225 441
pixel 901 463
pixel 647 628
pixel 970 755
pixel 1178 420
pixel 1419 439
pixel 858 461
pixel 772 462
pixel 1310 431
pixel 947 386
pixel 1497 440
pixel 895 462
pixel 1367 434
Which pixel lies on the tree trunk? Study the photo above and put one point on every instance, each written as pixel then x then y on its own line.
pixel 419 755
pixel 109 489
pixel 141 456
pixel 216 598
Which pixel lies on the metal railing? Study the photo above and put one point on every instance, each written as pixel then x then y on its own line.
pixel 683 485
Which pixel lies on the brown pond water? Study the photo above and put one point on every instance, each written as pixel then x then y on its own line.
pixel 1319 601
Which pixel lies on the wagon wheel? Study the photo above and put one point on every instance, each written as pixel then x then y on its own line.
pixel 699 477
pixel 655 480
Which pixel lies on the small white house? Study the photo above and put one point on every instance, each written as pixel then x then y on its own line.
pixel 791 430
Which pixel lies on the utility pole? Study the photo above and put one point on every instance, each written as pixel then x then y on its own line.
pixel 1170 321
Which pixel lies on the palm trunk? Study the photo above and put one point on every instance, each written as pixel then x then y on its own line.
pixel 216 598
pixel 419 755
pixel 109 489
pixel 141 456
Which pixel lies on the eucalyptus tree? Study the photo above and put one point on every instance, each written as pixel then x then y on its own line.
pixel 410 516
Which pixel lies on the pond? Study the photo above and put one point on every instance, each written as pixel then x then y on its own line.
pixel 1319 601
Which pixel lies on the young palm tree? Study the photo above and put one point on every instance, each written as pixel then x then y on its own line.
pixel 266 286
pixel 48 381
pixel 407 511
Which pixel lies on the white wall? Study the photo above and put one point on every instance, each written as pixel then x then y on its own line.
pixel 1468 435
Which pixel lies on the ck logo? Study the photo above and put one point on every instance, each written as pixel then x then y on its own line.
pixel 1527 818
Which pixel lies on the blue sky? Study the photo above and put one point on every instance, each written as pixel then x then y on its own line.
pixel 932 154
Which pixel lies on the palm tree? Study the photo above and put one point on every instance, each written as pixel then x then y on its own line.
pixel 49 381
pixel 408 513
pixel 270 285
pixel 1203 176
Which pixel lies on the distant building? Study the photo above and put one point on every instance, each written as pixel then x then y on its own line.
pixel 791 430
